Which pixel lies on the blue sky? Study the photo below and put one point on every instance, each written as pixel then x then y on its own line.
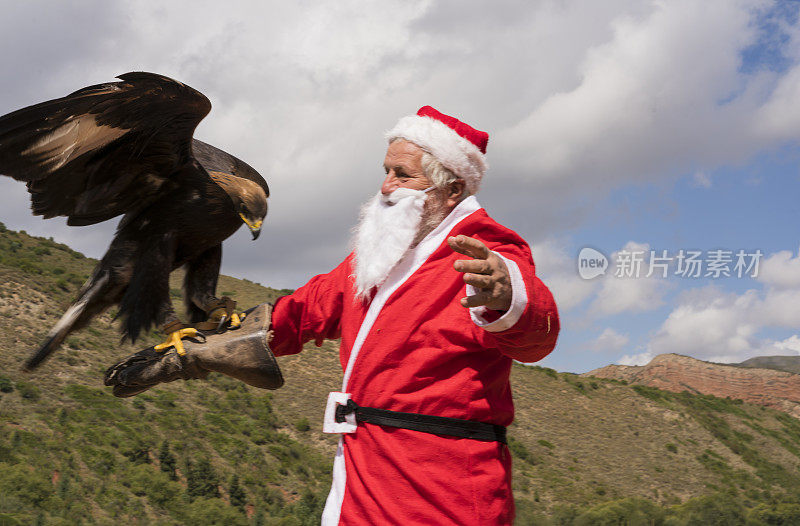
pixel 748 207
pixel 623 123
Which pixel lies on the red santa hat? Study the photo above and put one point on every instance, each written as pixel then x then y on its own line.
pixel 457 145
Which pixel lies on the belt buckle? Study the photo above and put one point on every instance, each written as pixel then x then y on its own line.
pixel 329 424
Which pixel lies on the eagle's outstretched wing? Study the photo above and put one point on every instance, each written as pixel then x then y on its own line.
pixel 104 150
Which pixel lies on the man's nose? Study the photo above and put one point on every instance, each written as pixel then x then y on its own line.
pixel 389 184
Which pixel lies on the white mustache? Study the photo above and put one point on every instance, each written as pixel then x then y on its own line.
pixel 401 193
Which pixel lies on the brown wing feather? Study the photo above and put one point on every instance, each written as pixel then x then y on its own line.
pixel 102 150
pixel 221 162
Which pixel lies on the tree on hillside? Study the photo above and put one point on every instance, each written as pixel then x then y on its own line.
pixel 167 461
pixel 138 453
pixel 236 494
pixel 201 480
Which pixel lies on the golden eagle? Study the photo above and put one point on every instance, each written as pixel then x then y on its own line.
pixel 126 148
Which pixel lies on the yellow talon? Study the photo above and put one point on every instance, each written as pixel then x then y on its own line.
pixel 174 340
pixel 236 321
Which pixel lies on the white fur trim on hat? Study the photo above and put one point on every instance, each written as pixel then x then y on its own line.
pixel 455 153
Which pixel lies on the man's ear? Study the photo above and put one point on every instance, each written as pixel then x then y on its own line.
pixel 454 192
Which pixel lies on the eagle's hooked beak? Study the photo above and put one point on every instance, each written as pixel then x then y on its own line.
pixel 255 227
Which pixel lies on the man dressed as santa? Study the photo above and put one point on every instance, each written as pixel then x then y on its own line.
pixel 427 338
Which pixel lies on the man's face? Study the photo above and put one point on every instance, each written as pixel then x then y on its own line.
pixel 388 228
pixel 403 167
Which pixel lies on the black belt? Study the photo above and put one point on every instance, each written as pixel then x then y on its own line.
pixel 438 425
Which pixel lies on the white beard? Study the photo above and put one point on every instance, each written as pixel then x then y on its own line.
pixel 386 229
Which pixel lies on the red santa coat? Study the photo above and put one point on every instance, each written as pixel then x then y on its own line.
pixel 415 349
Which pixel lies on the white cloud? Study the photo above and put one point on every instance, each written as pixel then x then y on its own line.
pixel 558 269
pixel 780 270
pixel 702 180
pixel 789 345
pixel 629 293
pixel 610 340
pixel 609 294
pixel 666 94
pixel 711 324
pixel 642 358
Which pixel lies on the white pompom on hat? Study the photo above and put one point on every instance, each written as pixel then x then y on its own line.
pixel 457 145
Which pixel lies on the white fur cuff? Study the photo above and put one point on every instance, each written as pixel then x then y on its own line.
pixel 519 300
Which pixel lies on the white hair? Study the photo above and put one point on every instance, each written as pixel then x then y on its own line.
pixel 440 176
pixel 436 172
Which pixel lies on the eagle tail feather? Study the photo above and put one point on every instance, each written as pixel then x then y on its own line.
pixel 82 310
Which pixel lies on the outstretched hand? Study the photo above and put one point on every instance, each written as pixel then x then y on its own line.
pixel 486 271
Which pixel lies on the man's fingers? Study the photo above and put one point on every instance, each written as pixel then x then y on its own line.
pixel 475 266
pixel 487 272
pixel 481 298
pixel 480 281
pixel 468 246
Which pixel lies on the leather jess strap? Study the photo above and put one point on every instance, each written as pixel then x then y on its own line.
pixel 218 312
pixel 438 425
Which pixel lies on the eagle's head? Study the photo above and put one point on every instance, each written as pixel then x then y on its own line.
pixel 244 185
pixel 251 204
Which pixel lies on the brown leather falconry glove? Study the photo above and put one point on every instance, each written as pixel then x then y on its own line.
pixel 243 354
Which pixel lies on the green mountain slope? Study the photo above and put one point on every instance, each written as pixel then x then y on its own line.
pixel 790 364
pixel 586 451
